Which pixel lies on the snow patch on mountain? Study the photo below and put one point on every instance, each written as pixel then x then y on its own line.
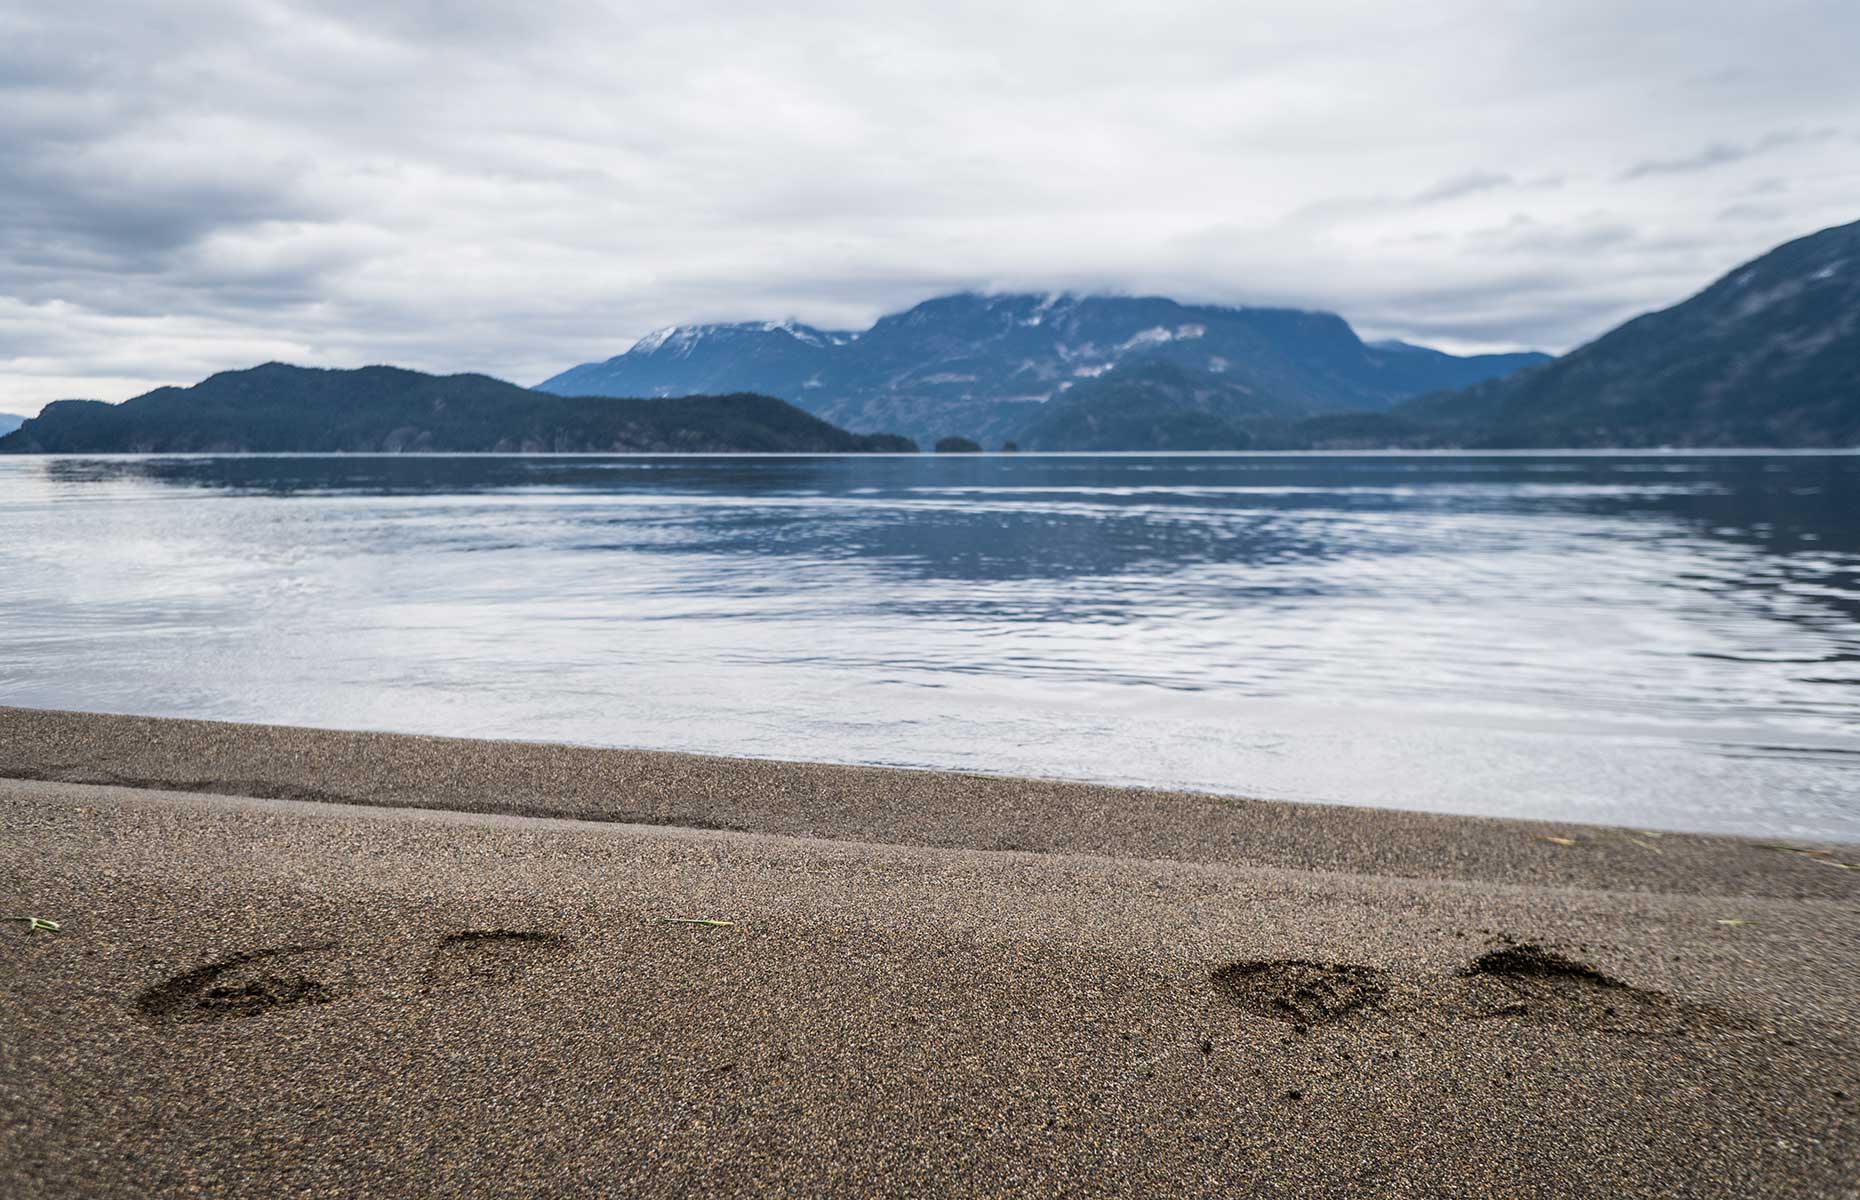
pixel 653 340
pixel 1156 336
pixel 1160 336
pixel 974 363
pixel 799 333
pixel 1046 305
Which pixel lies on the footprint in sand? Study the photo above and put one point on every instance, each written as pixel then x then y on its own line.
pixel 1300 992
pixel 254 982
pixel 1526 980
pixel 245 985
pixel 485 957
pixel 1522 981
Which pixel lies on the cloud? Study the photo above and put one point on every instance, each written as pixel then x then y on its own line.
pixel 1766 213
pixel 1720 153
pixel 1461 185
pixel 203 184
pixel 1713 155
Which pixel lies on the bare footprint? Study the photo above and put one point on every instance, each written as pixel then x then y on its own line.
pixel 1303 993
pixel 244 985
pixel 484 957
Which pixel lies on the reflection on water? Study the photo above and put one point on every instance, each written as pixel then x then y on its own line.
pixel 1660 640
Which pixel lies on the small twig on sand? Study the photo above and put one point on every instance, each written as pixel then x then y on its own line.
pixel 698 921
pixel 1824 857
pixel 35 924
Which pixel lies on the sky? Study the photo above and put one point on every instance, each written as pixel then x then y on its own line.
pixel 457 185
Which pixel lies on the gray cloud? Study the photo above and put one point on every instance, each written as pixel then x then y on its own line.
pixel 1721 153
pixel 1742 211
pixel 1716 154
pixel 470 185
pixel 1461 185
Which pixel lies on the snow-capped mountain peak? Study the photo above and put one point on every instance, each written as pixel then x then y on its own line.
pixel 977 363
pixel 653 340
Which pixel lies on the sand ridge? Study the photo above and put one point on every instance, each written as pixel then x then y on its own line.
pixel 298 998
pixel 872 804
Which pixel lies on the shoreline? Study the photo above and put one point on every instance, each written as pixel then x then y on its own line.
pixel 299 962
pixel 886 805
pixel 1386 452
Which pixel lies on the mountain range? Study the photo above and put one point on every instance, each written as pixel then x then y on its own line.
pixel 983 366
pixel 9 422
pixel 282 408
pixel 1767 356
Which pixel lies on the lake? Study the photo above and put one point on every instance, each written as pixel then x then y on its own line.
pixel 1669 641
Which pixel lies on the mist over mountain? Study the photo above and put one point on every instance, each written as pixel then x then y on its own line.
pixel 282 408
pixel 983 365
pixel 1769 355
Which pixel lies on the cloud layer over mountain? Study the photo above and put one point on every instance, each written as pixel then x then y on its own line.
pixel 205 184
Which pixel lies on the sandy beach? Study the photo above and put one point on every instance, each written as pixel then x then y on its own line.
pixel 309 963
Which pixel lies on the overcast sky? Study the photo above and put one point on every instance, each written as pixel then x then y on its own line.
pixel 194 185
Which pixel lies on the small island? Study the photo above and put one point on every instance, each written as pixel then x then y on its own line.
pixel 277 408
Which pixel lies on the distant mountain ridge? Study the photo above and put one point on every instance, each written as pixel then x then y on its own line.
pixel 1154 405
pixel 1769 355
pixel 281 408
pixel 9 422
pixel 982 365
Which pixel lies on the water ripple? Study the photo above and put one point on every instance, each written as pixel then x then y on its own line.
pixel 1659 640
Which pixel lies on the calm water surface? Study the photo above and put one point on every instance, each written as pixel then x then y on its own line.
pixel 1666 641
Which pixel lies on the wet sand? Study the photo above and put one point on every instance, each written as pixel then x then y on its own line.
pixel 300 963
